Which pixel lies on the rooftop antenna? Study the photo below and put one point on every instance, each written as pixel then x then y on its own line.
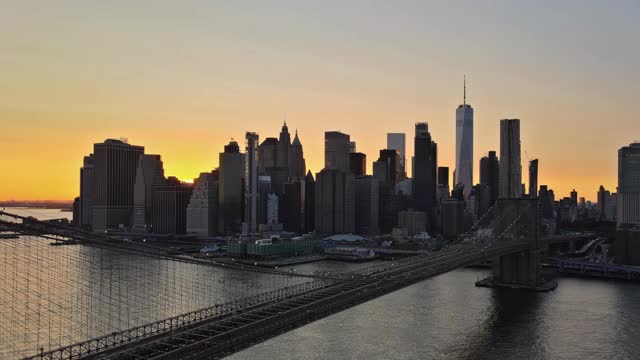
pixel 464 101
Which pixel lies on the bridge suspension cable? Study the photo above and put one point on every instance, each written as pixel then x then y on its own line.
pixel 64 300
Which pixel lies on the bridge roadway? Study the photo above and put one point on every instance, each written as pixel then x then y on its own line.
pixel 211 334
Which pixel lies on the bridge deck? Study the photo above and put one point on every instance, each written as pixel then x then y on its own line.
pixel 217 331
pixel 219 336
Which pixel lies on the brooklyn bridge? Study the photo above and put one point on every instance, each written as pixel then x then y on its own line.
pixel 112 299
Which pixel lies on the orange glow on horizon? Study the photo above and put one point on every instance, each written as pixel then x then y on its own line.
pixel 184 79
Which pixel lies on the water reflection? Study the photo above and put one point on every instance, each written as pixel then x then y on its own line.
pixel 447 317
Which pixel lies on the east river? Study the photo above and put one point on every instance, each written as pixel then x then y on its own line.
pixel 446 317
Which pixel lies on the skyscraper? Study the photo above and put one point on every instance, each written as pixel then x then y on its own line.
pixel 202 211
pixel 396 141
pixel 392 160
pixel 546 202
pixel 334 202
pixel 510 165
pixel 533 178
pixel 292 207
pixel 297 164
pixel 309 202
pixel 628 197
pixel 574 197
pixel 464 145
pixel 367 202
pixel 149 175
pixel 251 179
pixel 115 163
pixel 425 167
pixel 358 163
pixel 170 203
pixel 267 155
pixel 230 189
pixel 273 204
pixel 264 190
pixel 602 202
pixel 443 191
pixel 87 179
pixel 284 147
pixel 336 151
pixel 443 176
pixel 380 171
pixel 490 175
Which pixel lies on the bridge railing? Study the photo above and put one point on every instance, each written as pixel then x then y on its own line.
pixel 116 339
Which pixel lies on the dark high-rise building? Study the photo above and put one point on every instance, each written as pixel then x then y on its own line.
pixel 251 181
pixel 490 174
pixel 281 159
pixel 264 189
pixel 626 246
pixel 391 159
pixel 170 203
pixel 76 211
pixel 291 207
pixel 425 165
pixel 389 205
pixel 380 171
pixel 297 164
pixel 533 178
pixel 546 201
pixel 458 193
pixel 443 176
pixel 334 202
pixel 574 197
pixel 267 155
pixel 628 197
pixel 482 197
pixel 149 175
pixel 510 165
pixel 202 211
pixel 87 181
pixel 336 151
pixel 309 202
pixel 414 221
pixel 284 147
pixel 602 202
pixel 230 189
pixel 115 163
pixel 453 216
pixel 358 163
pixel 367 201
pixel 442 190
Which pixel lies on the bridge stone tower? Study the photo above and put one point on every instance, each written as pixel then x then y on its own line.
pixel 519 221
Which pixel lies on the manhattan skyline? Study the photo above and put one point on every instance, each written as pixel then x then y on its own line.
pixel 80 73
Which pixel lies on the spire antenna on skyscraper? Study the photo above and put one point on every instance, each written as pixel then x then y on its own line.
pixel 464 100
pixel 463 173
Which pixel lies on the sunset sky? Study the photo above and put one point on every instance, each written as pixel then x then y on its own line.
pixel 183 77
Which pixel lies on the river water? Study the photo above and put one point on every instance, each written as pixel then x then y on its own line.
pixel 447 317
